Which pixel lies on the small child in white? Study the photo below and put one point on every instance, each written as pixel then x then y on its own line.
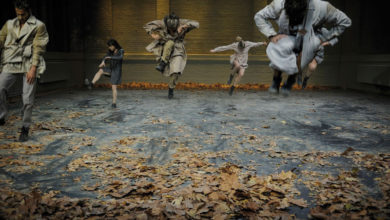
pixel 239 59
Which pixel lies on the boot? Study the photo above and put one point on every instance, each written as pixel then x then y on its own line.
pixel 274 88
pixel 161 66
pixel 231 90
pixel 113 105
pixel 2 121
pixel 304 83
pixel 287 86
pixel 230 79
pixel 170 93
pixel 23 134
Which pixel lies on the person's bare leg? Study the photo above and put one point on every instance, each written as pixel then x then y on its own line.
pixel 309 72
pixel 240 74
pixel 97 76
pixel 237 79
pixel 235 69
pixel 114 95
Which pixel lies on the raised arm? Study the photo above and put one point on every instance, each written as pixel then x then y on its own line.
pixel 154 26
pixel 187 25
pixel 340 22
pixel 224 48
pixel 40 41
pixel 263 17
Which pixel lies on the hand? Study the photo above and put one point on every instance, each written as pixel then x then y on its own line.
pixel 155 36
pixel 212 51
pixel 325 43
pixel 265 43
pixel 107 58
pixel 102 65
pixel 182 27
pixel 276 38
pixel 31 75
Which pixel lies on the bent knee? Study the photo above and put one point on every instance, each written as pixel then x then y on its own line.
pixel 312 66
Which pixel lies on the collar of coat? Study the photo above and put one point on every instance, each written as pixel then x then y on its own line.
pixel 26 29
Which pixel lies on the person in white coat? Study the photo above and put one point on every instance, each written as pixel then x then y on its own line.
pixel 239 60
pixel 301 37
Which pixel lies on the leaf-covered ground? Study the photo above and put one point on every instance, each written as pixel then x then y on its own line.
pixel 204 154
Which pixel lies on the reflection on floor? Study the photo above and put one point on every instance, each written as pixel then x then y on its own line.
pixel 202 154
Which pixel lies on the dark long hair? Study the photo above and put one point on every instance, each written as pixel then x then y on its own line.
pixel 295 10
pixel 22 4
pixel 113 42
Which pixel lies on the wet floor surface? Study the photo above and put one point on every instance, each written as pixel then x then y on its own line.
pixel 263 134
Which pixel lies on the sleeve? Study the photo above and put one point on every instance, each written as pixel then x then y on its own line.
pixel 263 17
pixel 338 19
pixel 40 41
pixel 119 56
pixel 227 47
pixel 3 36
pixel 190 23
pixel 154 26
pixel 253 44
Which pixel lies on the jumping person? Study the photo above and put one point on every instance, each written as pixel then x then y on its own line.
pixel 300 39
pixel 23 42
pixel 168 45
pixel 111 66
pixel 239 60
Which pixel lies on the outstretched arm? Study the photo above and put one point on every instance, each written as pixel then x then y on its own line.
pixel 340 22
pixel 263 17
pixel 253 44
pixel 223 48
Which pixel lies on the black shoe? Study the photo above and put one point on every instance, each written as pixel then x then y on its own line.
pixel 23 134
pixel 2 121
pixel 113 105
pixel 170 93
pixel 230 79
pixel 287 86
pixel 231 90
pixel 90 86
pixel 274 88
pixel 161 66
pixel 304 83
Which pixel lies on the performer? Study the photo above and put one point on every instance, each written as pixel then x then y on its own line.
pixel 23 42
pixel 111 66
pixel 300 39
pixel 168 46
pixel 239 60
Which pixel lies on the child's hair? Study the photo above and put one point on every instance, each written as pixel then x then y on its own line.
pixel 113 42
pixel 241 43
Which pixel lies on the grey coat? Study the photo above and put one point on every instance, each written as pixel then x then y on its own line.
pixel 178 58
pixel 318 13
pixel 114 66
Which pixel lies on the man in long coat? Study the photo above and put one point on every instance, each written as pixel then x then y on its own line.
pixel 23 41
pixel 301 36
pixel 177 55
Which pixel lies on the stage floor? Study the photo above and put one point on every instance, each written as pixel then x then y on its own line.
pixel 204 153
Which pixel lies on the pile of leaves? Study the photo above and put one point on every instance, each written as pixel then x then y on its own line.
pixel 200 86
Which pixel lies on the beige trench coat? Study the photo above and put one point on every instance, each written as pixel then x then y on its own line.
pixel 178 59
pixel 22 48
